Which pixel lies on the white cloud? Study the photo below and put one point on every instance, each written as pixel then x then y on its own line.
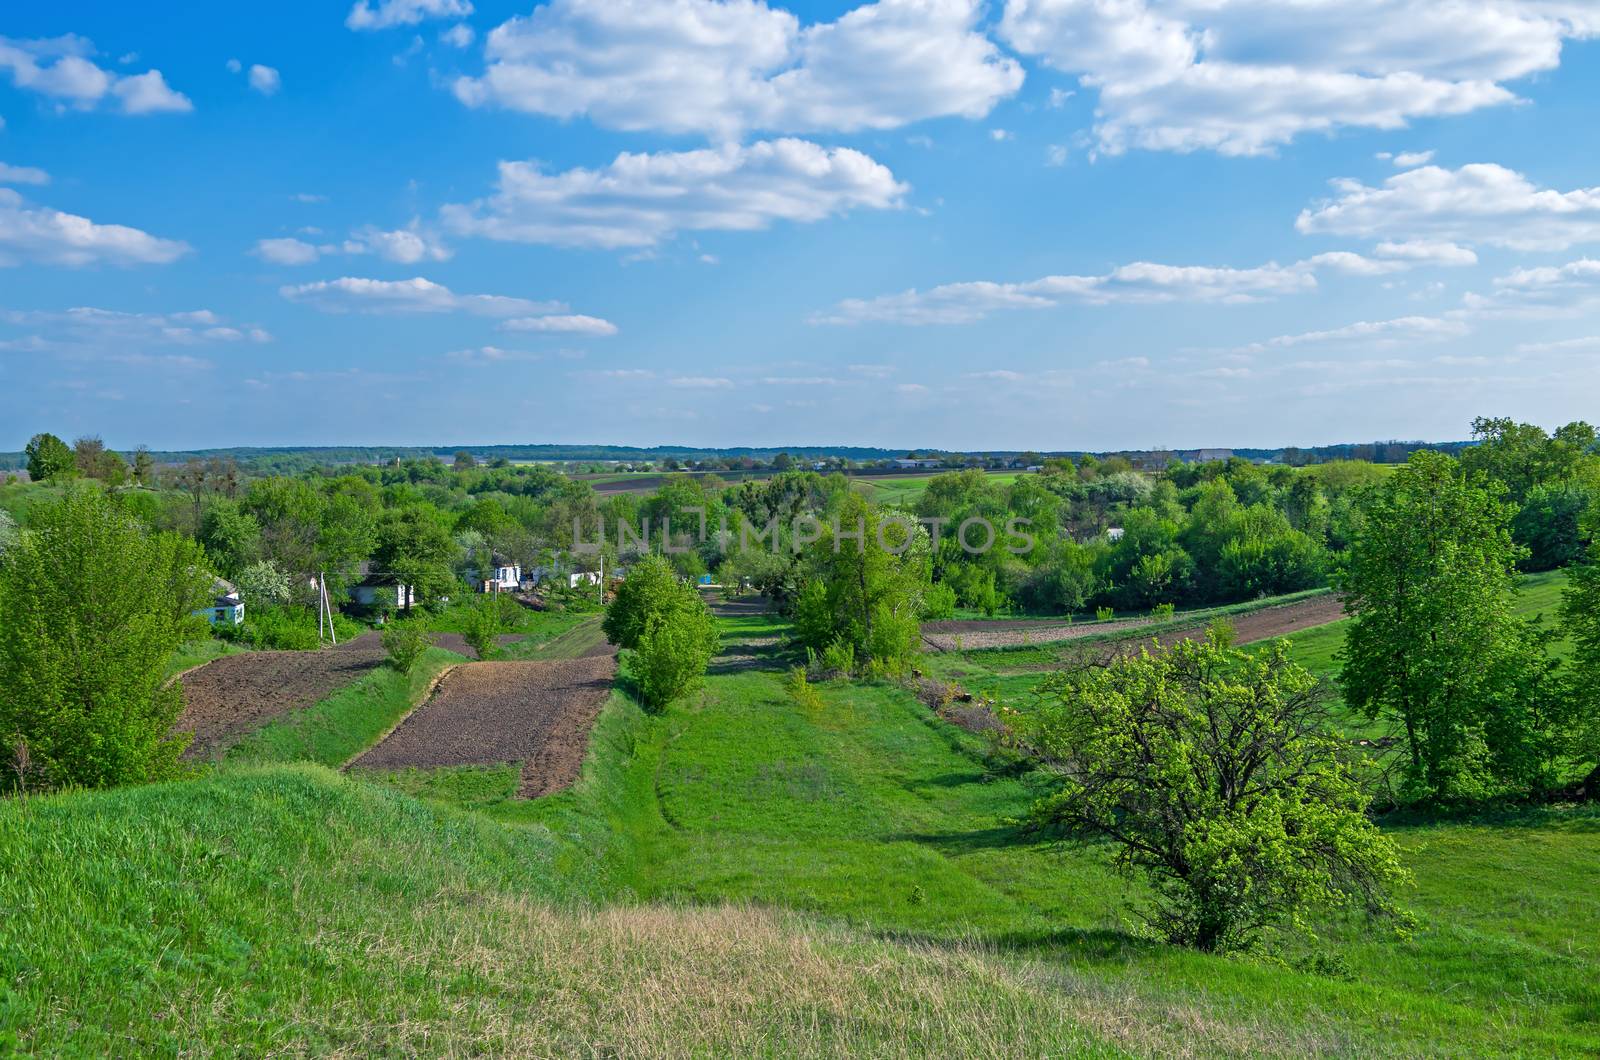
pixel 386 14
pixel 416 295
pixel 22 175
pixel 1412 159
pixel 999 135
pixel 1138 283
pixel 721 67
pixel 234 66
pixel 86 330
pixel 575 323
pixel 265 79
pixel 640 200
pixel 1579 345
pixel 492 355
pixel 1400 331
pixel 405 246
pixel 459 35
pixel 699 382
pixel 1004 375
pixel 51 237
pixel 1055 155
pixel 1245 76
pixel 62 69
pixel 911 388
pixel 286 251
pixel 1481 203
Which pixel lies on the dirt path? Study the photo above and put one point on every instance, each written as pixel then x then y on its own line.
pixel 230 696
pixel 535 713
pixel 1262 624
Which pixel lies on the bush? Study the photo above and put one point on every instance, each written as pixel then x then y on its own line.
pixel 672 655
pixel 839 657
pixel 94 607
pixel 1162 612
pixel 939 603
pixel 1104 614
pixel 405 640
pixel 799 687
pixel 482 626
pixel 649 591
pixel 283 628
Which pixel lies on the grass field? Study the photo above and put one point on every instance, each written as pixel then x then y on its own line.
pixel 903 491
pixel 739 875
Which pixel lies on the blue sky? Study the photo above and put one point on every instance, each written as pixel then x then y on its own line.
pixel 1052 224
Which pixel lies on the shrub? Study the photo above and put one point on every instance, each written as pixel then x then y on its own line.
pixel 1162 612
pixel 94 606
pixel 482 625
pixel 800 689
pixel 650 590
pixel 839 657
pixel 672 655
pixel 405 640
pixel 1104 614
pixel 939 603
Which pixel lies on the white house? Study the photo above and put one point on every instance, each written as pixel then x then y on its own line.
pixel 1114 533
pixel 227 609
pixel 1206 456
pixel 505 576
pixel 366 592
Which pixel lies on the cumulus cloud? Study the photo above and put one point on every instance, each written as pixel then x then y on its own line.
pixel 699 382
pixel 265 79
pixel 722 67
pixel 1549 290
pixel 62 69
pixel 404 246
pixel 22 175
pixel 386 14
pixel 640 200
pixel 39 234
pixel 1138 283
pixel 417 295
pixel 1244 76
pixel 1482 203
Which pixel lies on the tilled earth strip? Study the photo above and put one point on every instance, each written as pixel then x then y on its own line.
pixel 537 714
pixel 235 694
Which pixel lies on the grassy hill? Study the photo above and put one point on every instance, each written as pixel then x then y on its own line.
pixel 739 875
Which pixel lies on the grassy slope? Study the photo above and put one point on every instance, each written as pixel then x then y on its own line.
pixel 880 905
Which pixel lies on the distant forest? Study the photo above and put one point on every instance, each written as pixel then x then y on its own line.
pixel 281 459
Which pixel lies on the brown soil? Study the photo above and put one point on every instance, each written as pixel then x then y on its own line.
pixel 1264 624
pixel 230 696
pixel 535 713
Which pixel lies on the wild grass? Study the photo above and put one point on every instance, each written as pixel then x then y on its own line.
pixel 199 652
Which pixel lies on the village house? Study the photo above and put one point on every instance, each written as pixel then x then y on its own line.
pixel 227 609
pixel 504 577
pixel 374 589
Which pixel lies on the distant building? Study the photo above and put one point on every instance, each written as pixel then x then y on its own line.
pixel 372 589
pixel 504 578
pixel 911 463
pixel 227 609
pixel 1206 456
pixel 1114 533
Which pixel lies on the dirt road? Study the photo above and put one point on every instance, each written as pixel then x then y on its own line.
pixel 1262 624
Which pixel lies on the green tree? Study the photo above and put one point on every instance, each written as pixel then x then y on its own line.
pixel 1548 525
pixel 1433 645
pixel 650 590
pixel 231 537
pixel 94 608
pixel 1580 616
pixel 263 583
pixel 1215 775
pixel 415 548
pixel 674 652
pixel 49 458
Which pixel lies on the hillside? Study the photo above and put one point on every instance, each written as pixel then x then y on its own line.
pixel 744 876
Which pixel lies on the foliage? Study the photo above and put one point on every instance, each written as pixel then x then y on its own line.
pixel 1580 613
pixel 1104 614
pixel 805 696
pixel 405 640
pixel 49 458
pixel 483 626
pixel 939 603
pixel 262 583
pixel 1549 524
pixel 1215 775
pixel 672 654
pixel 276 627
pixel 650 590
pixel 94 606
pixel 1434 646
pixel 8 532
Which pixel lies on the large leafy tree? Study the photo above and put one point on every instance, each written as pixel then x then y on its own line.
pixel 1215 774
pixel 49 458
pixel 415 547
pixel 666 625
pixel 1434 645
pixel 862 593
pixel 94 607
pixel 1580 614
